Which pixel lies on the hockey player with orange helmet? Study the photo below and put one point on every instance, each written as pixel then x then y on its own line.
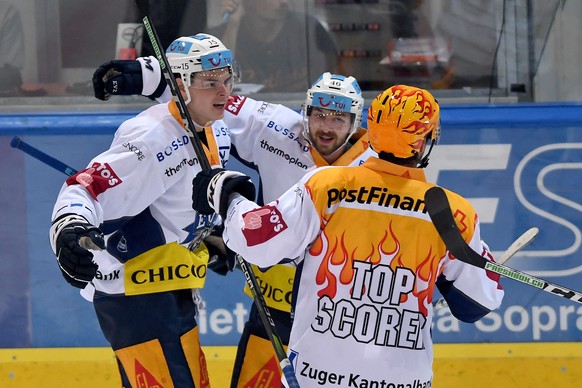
pixel 401 121
pixel 368 255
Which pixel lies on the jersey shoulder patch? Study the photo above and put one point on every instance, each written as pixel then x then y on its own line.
pixel 235 104
pixel 260 225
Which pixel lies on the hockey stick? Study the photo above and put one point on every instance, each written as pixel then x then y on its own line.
pixel 142 5
pixel 39 155
pixel 439 210
pixel 65 169
pixel 518 244
pixel 515 247
pixel 264 311
pixel 268 322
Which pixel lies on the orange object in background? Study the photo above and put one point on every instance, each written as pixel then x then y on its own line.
pixel 423 62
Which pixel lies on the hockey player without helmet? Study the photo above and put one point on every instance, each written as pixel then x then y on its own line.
pixel 401 120
pixel 335 92
pixel 188 55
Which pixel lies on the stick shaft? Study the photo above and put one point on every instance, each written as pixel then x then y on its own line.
pixel 268 322
pixel 41 156
pixel 518 244
pixel 176 94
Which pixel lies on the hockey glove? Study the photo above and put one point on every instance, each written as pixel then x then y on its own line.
pixel 71 237
pixel 222 259
pixel 211 190
pixel 127 77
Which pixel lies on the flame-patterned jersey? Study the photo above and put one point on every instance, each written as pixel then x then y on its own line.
pixel 369 261
pixel 139 193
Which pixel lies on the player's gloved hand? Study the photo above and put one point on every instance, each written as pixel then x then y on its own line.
pixel 71 237
pixel 211 190
pixel 127 77
pixel 222 259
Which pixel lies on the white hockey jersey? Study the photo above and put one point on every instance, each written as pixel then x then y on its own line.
pixel 268 138
pixel 368 259
pixel 139 193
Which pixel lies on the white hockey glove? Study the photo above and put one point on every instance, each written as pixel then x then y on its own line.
pixel 71 237
pixel 211 190
pixel 128 77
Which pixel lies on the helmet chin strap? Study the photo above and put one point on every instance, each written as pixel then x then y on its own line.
pixel 424 161
pixel 198 127
pixel 346 144
pixel 330 158
pixel 336 154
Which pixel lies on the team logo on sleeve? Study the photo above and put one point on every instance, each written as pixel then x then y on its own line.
pixel 235 103
pixel 262 224
pixel 96 179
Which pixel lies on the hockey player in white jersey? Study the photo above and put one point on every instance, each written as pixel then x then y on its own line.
pixel 368 255
pixel 132 204
pixel 281 145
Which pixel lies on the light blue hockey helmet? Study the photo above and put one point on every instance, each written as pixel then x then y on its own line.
pixel 334 92
pixel 188 55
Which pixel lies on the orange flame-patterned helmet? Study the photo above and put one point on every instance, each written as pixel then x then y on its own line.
pixel 401 120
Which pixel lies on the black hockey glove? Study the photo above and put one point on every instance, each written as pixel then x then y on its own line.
pixel 71 237
pixel 127 77
pixel 212 188
pixel 222 259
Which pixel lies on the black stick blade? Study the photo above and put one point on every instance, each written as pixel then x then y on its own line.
pixel 143 7
pixel 439 210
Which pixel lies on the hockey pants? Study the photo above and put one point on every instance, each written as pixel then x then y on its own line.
pixel 155 338
pixel 256 363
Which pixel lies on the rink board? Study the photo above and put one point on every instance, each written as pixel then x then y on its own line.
pixel 520 165
pixel 455 366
